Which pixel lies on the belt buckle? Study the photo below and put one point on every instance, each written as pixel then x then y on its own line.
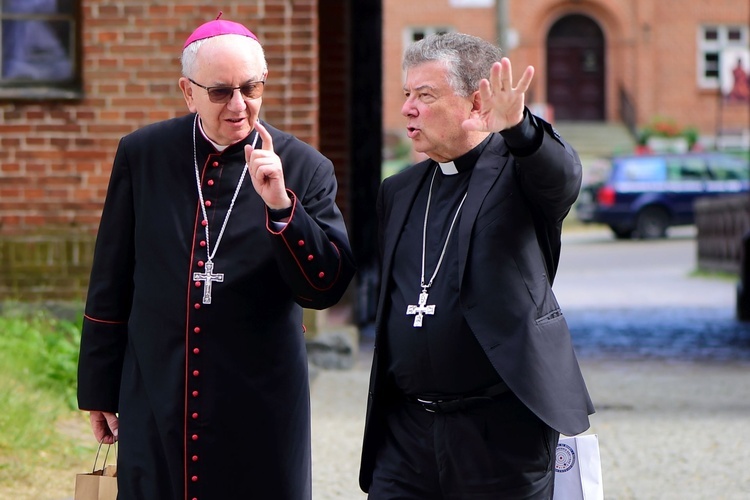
pixel 430 406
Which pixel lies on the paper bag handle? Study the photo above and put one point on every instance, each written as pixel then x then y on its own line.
pixel 96 459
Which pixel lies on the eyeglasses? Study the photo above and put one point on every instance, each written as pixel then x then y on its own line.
pixel 223 94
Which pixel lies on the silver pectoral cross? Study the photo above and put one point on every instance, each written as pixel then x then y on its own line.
pixel 421 309
pixel 209 277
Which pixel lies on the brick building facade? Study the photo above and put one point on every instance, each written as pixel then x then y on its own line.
pixel 598 60
pixel 56 155
pixel 629 61
pixel 57 144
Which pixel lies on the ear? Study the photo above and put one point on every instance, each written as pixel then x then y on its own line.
pixel 476 103
pixel 187 93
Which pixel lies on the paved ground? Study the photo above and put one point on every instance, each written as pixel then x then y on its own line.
pixel 668 429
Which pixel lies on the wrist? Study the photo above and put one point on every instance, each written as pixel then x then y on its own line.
pixel 280 214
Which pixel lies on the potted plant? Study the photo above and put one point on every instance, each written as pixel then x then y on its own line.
pixel 664 135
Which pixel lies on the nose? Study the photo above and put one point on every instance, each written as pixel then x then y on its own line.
pixel 408 109
pixel 236 102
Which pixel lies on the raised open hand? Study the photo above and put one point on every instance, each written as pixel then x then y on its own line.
pixel 501 104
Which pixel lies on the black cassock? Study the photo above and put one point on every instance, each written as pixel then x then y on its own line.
pixel 213 399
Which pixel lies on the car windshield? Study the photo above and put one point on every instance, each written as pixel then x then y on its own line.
pixel 640 169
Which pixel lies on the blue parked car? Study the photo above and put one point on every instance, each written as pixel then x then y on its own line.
pixel 643 195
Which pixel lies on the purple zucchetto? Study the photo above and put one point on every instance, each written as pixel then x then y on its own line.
pixel 218 27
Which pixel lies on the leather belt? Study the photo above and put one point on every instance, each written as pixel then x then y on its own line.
pixel 450 404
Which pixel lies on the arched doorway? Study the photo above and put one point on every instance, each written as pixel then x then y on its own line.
pixel 575 69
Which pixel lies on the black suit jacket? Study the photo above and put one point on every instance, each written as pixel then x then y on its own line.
pixel 509 247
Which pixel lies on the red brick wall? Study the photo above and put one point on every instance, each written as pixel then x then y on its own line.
pixel 651 50
pixel 55 157
pixel 397 16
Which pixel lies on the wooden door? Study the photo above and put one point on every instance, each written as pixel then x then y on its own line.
pixel 575 69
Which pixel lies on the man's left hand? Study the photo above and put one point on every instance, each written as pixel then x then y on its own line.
pixel 501 104
pixel 264 166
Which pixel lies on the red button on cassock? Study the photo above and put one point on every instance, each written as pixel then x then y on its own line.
pixel 196 351
pixel 195 458
pixel 208 203
pixel 195 416
pixel 216 164
pixel 203 243
pixel 321 274
pixel 310 257
pixel 196 373
pixel 197 329
pixel 197 284
pixel 195 394
pixel 197 305
pixel 204 223
pixel 210 182
pixel 301 243
pixel 195 479
pixel 200 263
pixel 195 437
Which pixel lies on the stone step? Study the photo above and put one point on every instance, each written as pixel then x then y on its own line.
pixel 597 139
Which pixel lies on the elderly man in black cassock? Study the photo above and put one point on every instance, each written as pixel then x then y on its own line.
pixel 217 229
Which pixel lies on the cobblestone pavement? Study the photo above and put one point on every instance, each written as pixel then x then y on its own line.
pixel 668 428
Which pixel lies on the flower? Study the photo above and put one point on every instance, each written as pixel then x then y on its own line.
pixel 666 127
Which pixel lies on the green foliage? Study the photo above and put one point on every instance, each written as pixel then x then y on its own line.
pixel 43 350
pixel 38 363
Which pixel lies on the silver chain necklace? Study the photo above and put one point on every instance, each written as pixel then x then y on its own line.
pixel 422 308
pixel 209 277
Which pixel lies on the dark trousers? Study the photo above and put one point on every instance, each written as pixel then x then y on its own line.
pixel 499 451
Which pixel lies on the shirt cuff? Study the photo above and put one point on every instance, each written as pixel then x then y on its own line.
pixel 278 215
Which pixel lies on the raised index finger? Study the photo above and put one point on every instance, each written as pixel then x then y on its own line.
pixel 265 136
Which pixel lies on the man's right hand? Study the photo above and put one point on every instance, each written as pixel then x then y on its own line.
pixel 105 426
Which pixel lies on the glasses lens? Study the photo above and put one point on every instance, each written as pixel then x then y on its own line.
pixel 252 90
pixel 220 94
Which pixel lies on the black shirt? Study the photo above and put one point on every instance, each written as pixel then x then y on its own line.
pixel 442 357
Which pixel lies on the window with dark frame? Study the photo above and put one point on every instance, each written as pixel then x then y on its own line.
pixel 40 49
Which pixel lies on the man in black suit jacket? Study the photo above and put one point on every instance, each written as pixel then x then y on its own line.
pixel 474 375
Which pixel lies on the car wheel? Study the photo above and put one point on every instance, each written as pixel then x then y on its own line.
pixel 622 233
pixel 652 223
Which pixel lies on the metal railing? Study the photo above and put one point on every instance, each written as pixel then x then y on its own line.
pixel 627 111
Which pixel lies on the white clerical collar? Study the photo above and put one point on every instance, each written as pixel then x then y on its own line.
pixel 218 147
pixel 448 168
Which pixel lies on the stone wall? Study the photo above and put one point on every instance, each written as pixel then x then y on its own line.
pixel 45 267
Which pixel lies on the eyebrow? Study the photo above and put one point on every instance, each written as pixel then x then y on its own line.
pixel 421 87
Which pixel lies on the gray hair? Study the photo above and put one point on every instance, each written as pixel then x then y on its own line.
pixel 468 59
pixel 190 54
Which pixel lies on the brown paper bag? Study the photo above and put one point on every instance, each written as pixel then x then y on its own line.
pixel 98 484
